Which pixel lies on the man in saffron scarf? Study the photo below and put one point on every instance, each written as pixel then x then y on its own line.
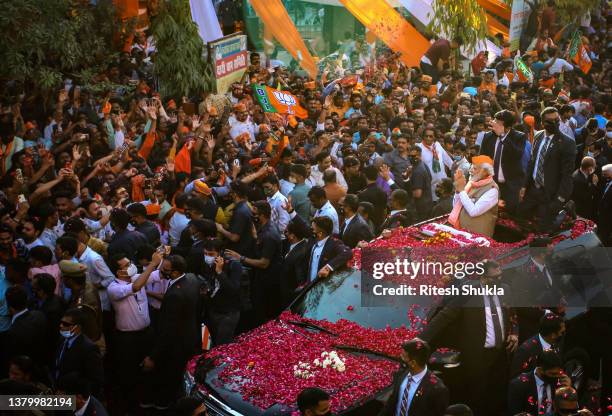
pixel 475 202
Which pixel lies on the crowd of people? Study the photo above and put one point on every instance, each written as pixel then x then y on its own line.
pixel 129 220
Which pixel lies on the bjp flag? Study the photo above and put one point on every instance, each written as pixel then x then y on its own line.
pixel 579 53
pixel 277 101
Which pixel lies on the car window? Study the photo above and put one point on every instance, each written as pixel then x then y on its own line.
pixel 339 297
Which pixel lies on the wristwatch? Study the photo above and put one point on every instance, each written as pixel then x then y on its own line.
pixel 561 199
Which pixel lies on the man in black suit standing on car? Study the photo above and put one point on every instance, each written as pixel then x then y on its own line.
pixel 548 183
pixel 505 146
pixel 486 334
pixel 417 391
pixel 354 229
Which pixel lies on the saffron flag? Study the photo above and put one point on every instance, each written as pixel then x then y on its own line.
pixel 390 27
pixel 278 24
pixel 496 7
pixel 579 53
pixel 276 101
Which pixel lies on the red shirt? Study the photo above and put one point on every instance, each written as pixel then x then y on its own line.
pixel 440 49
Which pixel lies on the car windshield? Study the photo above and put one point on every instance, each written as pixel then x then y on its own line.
pixel 339 297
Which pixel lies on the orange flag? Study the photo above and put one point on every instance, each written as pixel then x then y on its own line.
pixel 496 7
pixel 277 101
pixel 146 147
pixel 390 27
pixel 182 162
pixel 277 21
pixel 579 53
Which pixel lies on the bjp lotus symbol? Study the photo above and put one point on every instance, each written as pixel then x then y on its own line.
pixel 284 98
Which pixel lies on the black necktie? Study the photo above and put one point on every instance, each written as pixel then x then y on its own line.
pixel 496 324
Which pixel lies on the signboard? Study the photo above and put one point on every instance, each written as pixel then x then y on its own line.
pixel 229 59
pixel 518 20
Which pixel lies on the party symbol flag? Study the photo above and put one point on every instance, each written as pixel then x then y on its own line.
pixel 523 71
pixel 579 53
pixel 277 101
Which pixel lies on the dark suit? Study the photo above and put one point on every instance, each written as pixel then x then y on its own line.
pixel 177 338
pixel 483 368
pixel 27 336
pixel 558 168
pixel 402 218
pixel 195 258
pixel 511 166
pixel 430 399
pixel 523 395
pixel 334 253
pixel 294 271
pixel 584 194
pixel 377 197
pixel 534 292
pixel 95 408
pixel 357 230
pixel 81 357
pixel 525 356
pixel 604 224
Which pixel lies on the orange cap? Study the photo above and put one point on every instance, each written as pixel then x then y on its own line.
pixel 310 85
pixel 213 111
pixel 171 104
pixel 201 187
pixel 426 78
pixel 477 160
pixel 29 126
pixel 240 108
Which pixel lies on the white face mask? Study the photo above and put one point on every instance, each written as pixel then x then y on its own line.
pixel 132 270
pixel 210 260
pixel 66 334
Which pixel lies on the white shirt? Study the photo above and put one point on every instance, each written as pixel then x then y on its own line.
pixel 17 315
pixel 131 309
pixel 171 282
pixel 347 222
pixel 568 127
pixel 95 229
pixel 558 65
pixel 177 224
pixel 292 246
pixel 314 258
pixel 98 273
pixel 542 270
pixel 479 137
pixel 156 284
pixel 286 187
pixel 328 210
pixel 486 201
pixel 490 336
pixel 545 345
pixel 279 216
pixel 500 173
pixel 444 160
pixel 544 142
pixel 316 177
pixel 119 138
pixel 239 127
pixel 414 385
pixel 33 244
pixel 546 407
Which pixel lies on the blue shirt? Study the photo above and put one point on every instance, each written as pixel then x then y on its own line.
pixel 414 385
pixel 5 319
pixel 314 259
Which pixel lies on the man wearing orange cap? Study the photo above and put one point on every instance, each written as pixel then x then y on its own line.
pixel 475 202
pixel 241 123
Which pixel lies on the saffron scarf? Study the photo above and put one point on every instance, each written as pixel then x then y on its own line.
pixel 435 163
pixel 453 218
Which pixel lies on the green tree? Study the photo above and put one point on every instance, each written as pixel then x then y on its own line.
pixel 44 41
pixel 465 18
pixel 179 63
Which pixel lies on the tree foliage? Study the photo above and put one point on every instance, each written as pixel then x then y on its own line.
pixel 465 18
pixel 44 41
pixel 179 63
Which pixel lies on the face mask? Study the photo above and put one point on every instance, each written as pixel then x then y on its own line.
pixel 268 192
pixel 457 158
pixel 210 260
pixel 66 334
pixel 414 161
pixel 551 126
pixel 132 270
